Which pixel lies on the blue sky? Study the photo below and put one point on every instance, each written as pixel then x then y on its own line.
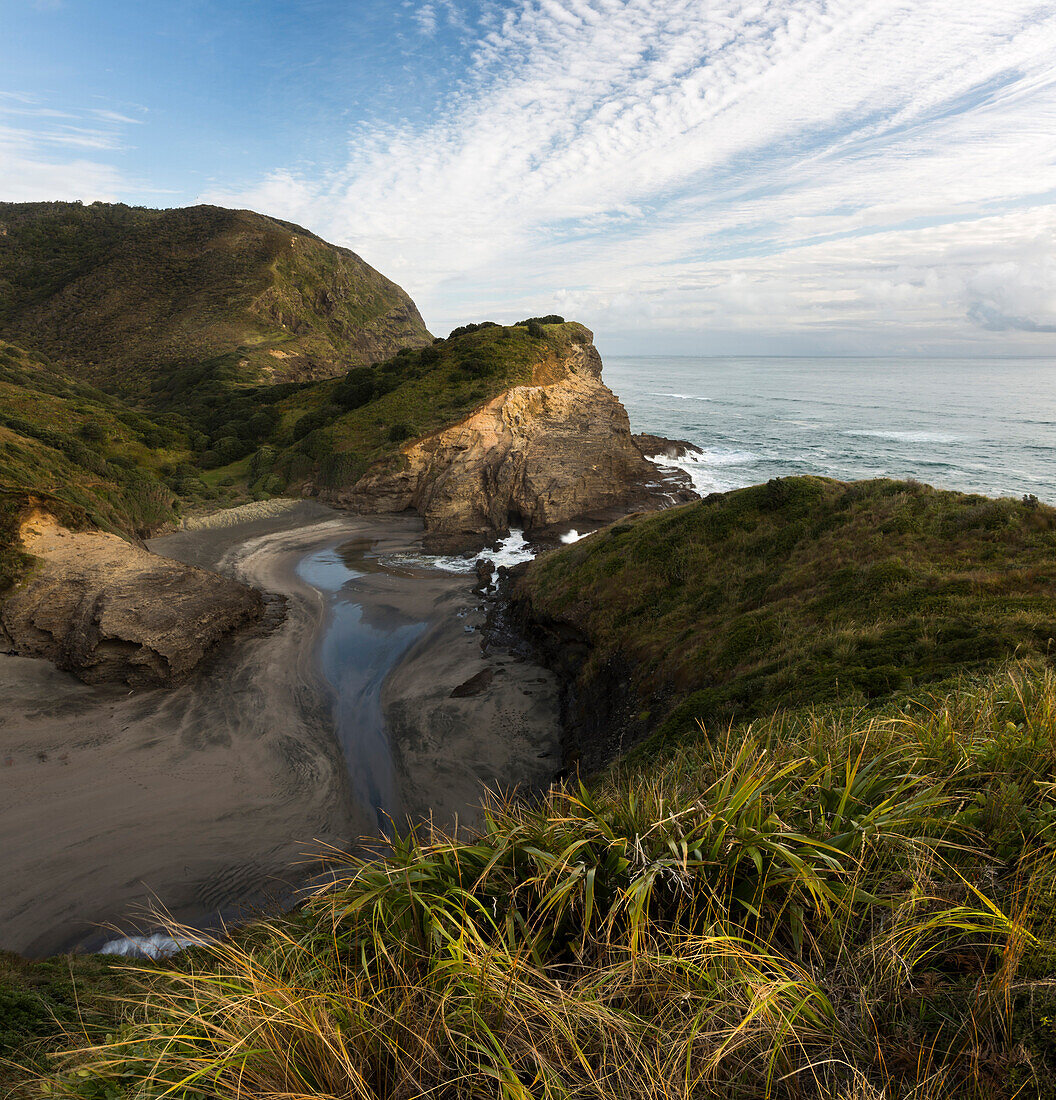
pixel 685 176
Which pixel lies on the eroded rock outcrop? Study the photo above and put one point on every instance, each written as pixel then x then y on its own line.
pixel 108 611
pixel 536 456
pixel 658 446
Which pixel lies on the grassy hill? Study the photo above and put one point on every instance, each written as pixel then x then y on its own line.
pixel 126 296
pixel 800 591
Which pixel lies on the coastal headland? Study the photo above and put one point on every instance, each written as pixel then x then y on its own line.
pixel 774 764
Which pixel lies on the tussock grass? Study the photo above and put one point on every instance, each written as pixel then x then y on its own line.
pixel 811 906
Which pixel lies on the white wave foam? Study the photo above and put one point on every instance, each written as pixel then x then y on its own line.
pixel 683 396
pixel 705 468
pixel 904 437
pixel 572 536
pixel 158 945
pixel 716 457
pixel 510 551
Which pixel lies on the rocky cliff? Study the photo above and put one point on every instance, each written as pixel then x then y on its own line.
pixel 538 455
pixel 108 611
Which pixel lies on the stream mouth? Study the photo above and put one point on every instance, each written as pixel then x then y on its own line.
pixel 359 648
pixel 372 702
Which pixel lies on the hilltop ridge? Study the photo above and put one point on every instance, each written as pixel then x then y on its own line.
pixel 127 296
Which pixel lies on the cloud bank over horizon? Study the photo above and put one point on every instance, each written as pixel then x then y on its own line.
pixel 800 176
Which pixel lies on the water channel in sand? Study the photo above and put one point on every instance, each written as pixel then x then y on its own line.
pixel 210 798
pixel 356 654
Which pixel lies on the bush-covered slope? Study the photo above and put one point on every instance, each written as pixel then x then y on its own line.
pixel 803 590
pixel 86 455
pixel 129 295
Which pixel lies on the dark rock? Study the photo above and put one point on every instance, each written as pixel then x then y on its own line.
pixel 600 718
pixel 474 685
pixel 657 446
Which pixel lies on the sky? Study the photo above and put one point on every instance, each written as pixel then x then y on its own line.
pixel 700 177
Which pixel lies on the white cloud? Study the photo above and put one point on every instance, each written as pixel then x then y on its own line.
pixel 425 17
pixel 52 154
pixel 738 160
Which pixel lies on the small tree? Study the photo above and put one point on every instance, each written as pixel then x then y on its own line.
pixel 93 431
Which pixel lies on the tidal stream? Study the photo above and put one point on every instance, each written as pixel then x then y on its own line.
pixel 356 654
pixel 367 699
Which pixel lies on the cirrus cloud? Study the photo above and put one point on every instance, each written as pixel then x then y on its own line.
pixel 692 159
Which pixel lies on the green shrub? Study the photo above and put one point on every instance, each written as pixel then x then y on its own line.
pixel 93 431
pixel 476 366
pixel 318 418
pixel 356 390
pixel 262 461
pixel 465 330
pixel 341 470
pixel 317 444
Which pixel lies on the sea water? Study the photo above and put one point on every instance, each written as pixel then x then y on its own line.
pixel 978 425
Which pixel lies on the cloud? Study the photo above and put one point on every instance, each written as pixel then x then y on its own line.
pixel 54 154
pixel 115 116
pixel 986 316
pixel 425 17
pixel 687 165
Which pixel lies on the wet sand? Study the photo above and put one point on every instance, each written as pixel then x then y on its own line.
pixel 210 797
pixel 428 714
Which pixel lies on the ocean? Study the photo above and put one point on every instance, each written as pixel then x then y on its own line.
pixel 978 425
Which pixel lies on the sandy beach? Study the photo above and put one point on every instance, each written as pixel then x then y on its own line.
pixel 211 797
